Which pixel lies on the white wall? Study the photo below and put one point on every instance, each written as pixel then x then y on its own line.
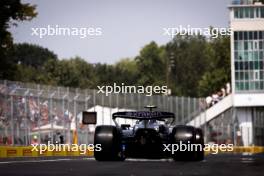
pixel 248 100
pixel 244 116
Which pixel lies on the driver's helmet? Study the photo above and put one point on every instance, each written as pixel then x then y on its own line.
pixel 152 121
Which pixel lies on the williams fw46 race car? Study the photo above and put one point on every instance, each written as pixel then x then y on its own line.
pixel 152 136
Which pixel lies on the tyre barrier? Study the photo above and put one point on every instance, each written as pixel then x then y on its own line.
pixel 27 151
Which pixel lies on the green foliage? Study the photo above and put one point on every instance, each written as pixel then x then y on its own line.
pixel 28 74
pixel 188 61
pixel 74 72
pixel 189 65
pixel 31 55
pixel 218 72
pixel 105 74
pixel 126 71
pixel 212 81
pixel 151 65
pixel 10 12
pixel 16 11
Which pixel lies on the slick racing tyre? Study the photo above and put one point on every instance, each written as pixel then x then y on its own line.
pixel 110 140
pixel 188 143
pixel 199 139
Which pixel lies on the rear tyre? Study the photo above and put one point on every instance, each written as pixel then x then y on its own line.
pixel 184 137
pixel 109 138
pixel 199 137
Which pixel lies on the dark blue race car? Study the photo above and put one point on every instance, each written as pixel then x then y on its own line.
pixel 152 136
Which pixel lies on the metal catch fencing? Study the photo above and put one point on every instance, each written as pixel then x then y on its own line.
pixel 33 113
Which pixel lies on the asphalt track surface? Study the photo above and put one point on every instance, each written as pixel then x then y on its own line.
pixel 239 165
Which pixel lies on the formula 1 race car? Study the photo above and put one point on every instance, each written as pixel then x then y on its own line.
pixel 152 136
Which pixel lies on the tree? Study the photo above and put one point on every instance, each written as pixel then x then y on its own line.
pixel 151 65
pixel 105 74
pixel 31 55
pixel 212 82
pixel 189 62
pixel 74 72
pixel 219 69
pixel 11 11
pixel 127 71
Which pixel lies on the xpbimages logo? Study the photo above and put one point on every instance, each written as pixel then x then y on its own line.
pixel 123 89
pixel 182 147
pixel 83 148
pixel 189 30
pixel 56 30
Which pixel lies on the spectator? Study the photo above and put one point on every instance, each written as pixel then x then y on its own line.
pixel 34 140
pixel 228 88
pixel 209 101
pixel 223 92
pixel 5 140
pixel 220 95
pixel 203 104
pixel 46 139
pixel 61 139
pixel 215 98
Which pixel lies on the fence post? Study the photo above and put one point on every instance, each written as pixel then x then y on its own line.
pixel 110 105
pixel 182 110
pixel 102 105
pixel 26 116
pixel 176 110
pixel 188 109
pixel 39 94
pixel 50 115
pixel 12 120
pixel 138 101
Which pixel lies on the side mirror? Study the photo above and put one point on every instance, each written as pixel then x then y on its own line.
pixel 89 118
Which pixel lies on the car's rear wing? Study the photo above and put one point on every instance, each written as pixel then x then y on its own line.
pixel 143 115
